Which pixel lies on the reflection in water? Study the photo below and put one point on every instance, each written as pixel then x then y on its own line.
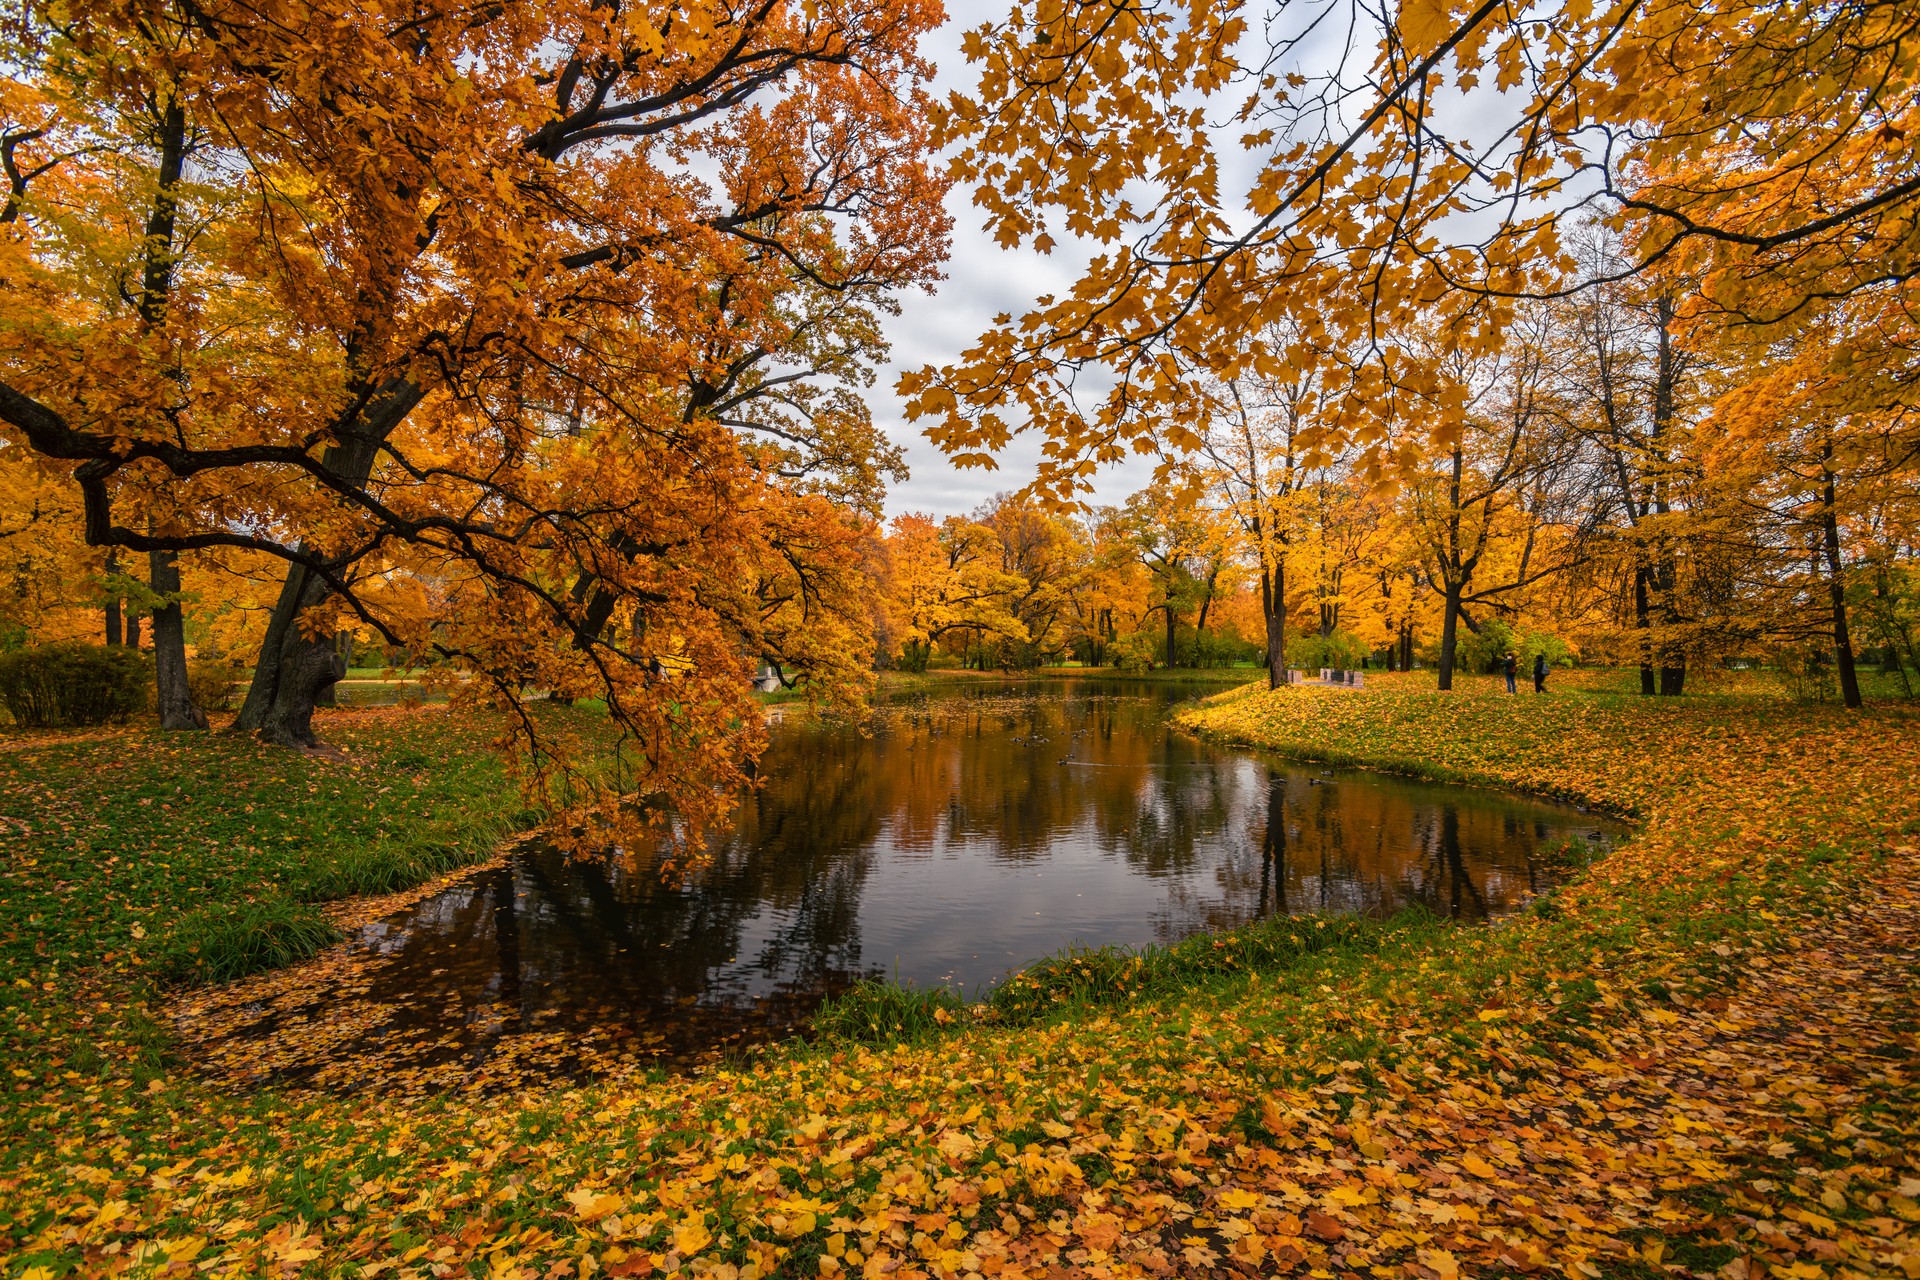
pixel 949 841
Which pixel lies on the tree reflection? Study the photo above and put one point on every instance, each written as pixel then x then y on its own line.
pixel 954 839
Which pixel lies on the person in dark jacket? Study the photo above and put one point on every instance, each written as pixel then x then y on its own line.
pixel 1539 673
pixel 1511 666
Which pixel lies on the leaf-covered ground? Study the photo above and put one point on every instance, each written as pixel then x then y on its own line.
pixel 1701 1060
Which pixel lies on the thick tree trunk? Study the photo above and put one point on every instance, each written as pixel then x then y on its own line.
pixel 175 698
pixel 1449 637
pixel 1170 623
pixel 1643 622
pixel 293 670
pixel 1837 593
pixel 1273 609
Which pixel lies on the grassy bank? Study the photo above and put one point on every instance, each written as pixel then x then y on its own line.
pixel 1697 1061
pixel 141 859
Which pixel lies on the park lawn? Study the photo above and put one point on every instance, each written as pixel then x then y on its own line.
pixel 1698 1060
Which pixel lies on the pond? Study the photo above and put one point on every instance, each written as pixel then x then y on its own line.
pixel 949 840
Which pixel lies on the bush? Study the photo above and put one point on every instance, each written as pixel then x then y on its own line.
pixel 73 683
pixel 1131 652
pixel 214 683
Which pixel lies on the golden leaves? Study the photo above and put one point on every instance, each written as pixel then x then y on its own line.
pixel 1422 25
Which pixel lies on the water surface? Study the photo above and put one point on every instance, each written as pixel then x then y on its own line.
pixel 950 840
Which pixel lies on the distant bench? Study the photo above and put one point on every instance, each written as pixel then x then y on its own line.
pixel 1329 675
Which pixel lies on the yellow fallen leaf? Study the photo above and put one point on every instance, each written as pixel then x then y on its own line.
pixel 1241 1198
pixel 1477 1167
pixel 591 1206
pixel 691 1236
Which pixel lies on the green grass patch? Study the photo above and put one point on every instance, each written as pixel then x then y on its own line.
pixel 228 940
pixel 1078 980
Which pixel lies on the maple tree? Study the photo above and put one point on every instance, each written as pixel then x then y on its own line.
pixel 1260 207
pixel 1118 125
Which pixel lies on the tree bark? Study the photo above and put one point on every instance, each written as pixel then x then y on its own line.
pixel 1449 637
pixel 1273 608
pixel 175 696
pixel 1837 586
pixel 1643 622
pixel 116 633
pixel 1200 623
pixel 1665 572
pixel 293 669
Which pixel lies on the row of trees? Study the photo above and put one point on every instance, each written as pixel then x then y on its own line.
pixel 1669 490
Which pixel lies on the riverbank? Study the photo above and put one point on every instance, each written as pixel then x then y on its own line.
pixel 1699 1058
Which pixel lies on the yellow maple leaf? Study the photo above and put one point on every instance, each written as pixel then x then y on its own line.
pixel 691 1236
pixel 591 1206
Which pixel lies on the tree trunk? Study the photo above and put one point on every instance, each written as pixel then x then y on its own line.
pixel 1837 591
pixel 163 567
pixel 293 670
pixel 116 633
pixel 1643 622
pixel 1273 609
pixel 1200 623
pixel 1666 570
pixel 1170 622
pixel 175 698
pixel 1449 636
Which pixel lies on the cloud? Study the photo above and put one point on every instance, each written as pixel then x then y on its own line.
pixel 983 280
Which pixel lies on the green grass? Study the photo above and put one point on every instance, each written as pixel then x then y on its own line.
pixel 1079 981
pixel 164 858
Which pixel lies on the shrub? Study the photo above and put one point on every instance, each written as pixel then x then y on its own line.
pixel 1132 651
pixel 73 683
pixel 214 683
pixel 876 1010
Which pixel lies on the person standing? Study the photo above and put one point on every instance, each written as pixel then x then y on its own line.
pixel 1511 665
pixel 1539 673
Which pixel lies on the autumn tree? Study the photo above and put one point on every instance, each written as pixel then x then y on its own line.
pixel 495 299
pixel 1489 508
pixel 946 578
pixel 1042 549
pixel 1259 435
pixel 1184 548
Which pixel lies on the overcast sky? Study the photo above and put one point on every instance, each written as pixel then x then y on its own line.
pixel 982 281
